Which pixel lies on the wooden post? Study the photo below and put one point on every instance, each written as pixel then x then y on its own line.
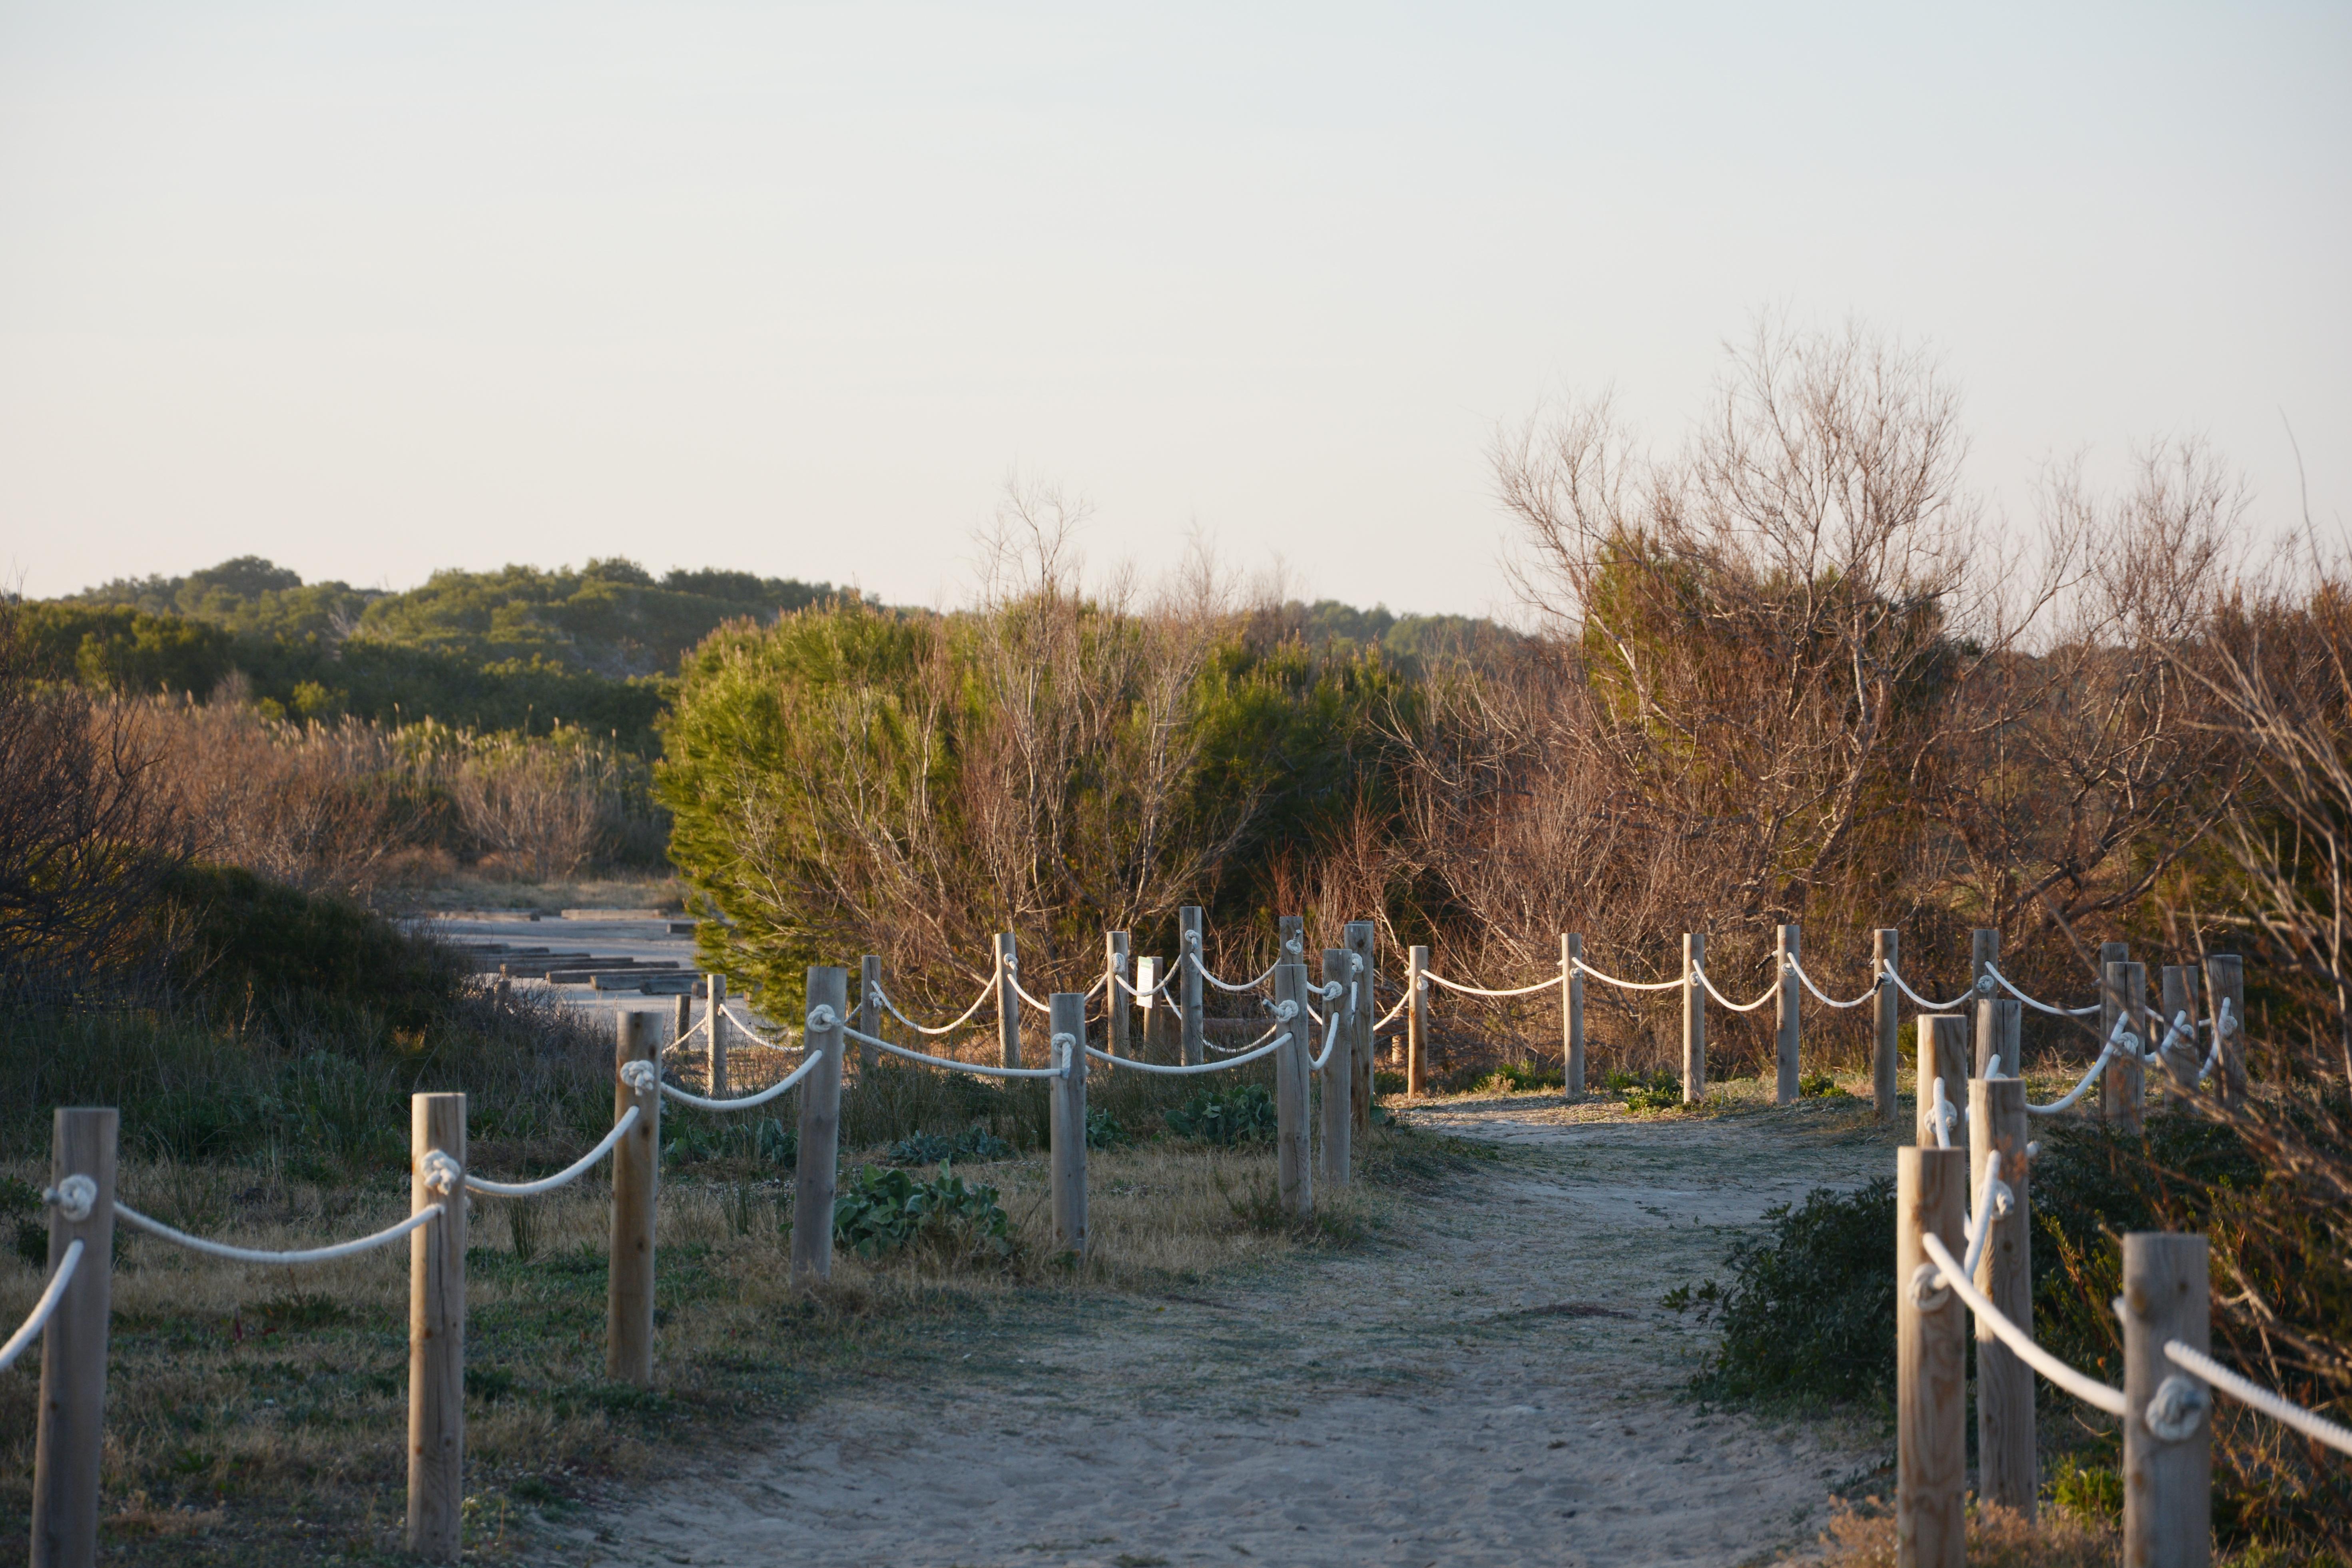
pixel 1943 1042
pixel 2008 1026
pixel 2123 1084
pixel 1290 930
pixel 2110 1004
pixel 820 1152
pixel 2168 1414
pixel 1416 1022
pixel 1295 1174
pixel 2006 1472
pixel 2225 982
pixel 69 1441
pixel 1008 1000
pixel 1885 953
pixel 684 1021
pixel 436 1332
pixel 1984 954
pixel 1785 960
pixel 1572 1014
pixel 1192 955
pixel 636 1178
pixel 716 1012
pixel 1693 1019
pixel 1068 1017
pixel 1364 943
pixel 870 1011
pixel 1118 1008
pixel 1931 1458
pixel 1339 1073
pixel 2178 995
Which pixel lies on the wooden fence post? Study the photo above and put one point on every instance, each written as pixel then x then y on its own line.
pixel 870 1011
pixel 1119 1008
pixel 1363 942
pixel 715 1011
pixel 2225 981
pixel 820 1150
pixel 1068 1016
pixel 2168 1423
pixel 1931 1458
pixel 1693 1019
pixel 1192 955
pixel 1785 959
pixel 1943 1042
pixel 2110 1002
pixel 1984 954
pixel 1416 1022
pixel 1571 1015
pixel 1885 953
pixel 1295 1172
pixel 2123 993
pixel 436 1329
pixel 2008 1034
pixel 684 1019
pixel 1290 934
pixel 1008 1000
pixel 69 1442
pixel 2178 995
pixel 636 1179
pixel 1339 1073
pixel 2006 1472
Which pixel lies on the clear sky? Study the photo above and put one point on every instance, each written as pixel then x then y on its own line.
pixel 371 289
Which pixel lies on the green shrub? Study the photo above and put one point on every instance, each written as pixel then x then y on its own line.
pixel 1522 1078
pixel 1646 1091
pixel 1103 1129
pixel 1241 1114
pixel 881 1210
pixel 1817 1085
pixel 974 1144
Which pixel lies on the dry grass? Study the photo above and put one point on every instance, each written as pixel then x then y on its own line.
pixel 1864 1537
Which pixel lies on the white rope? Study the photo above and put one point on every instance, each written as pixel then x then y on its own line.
pixel 1799 971
pixel 1047 1007
pixel 808 1065
pixel 1703 979
pixel 986 991
pixel 1904 986
pixel 1196 1066
pixel 1993 1196
pixel 2120 1043
pixel 1385 1020
pixel 39 1318
pixel 253 1255
pixel 1436 979
pixel 746 1024
pixel 2090 1391
pixel 977 1068
pixel 1992 971
pixel 1943 1115
pixel 570 1172
pixel 1192 957
pixel 2317 1427
pixel 1674 985
pixel 1230 1050
pixel 1330 1038
pixel 702 1026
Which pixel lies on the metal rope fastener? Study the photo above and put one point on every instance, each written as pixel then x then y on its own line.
pixel 38 1319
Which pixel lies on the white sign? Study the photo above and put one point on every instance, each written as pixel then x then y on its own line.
pixel 1146 976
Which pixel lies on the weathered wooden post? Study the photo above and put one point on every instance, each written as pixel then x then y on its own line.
pixel 1119 1013
pixel 1192 955
pixel 1008 1000
pixel 2177 995
pixel 1416 1022
pixel 684 1019
pixel 2167 1426
pixel 1943 1041
pixel 1784 964
pixel 820 1150
pixel 1295 1170
pixel 1339 1072
pixel 69 1438
pixel 1572 1014
pixel 2225 986
pixel 2110 1094
pixel 2124 995
pixel 715 1013
pixel 1693 1019
pixel 1984 954
pixel 1067 1044
pixel 870 1011
pixel 2008 1034
pixel 1364 943
pixel 1931 1458
pixel 1885 953
pixel 436 1328
pixel 2006 1472
pixel 636 1179
pixel 1290 934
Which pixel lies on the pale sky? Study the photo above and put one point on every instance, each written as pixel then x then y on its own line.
pixel 375 289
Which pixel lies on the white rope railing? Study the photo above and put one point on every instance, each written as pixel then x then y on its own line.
pixel 2089 1390
pixel 1904 986
pixel 2121 1042
pixel 1330 1037
pixel 2315 1426
pixel 1232 1050
pixel 384 1237
pixel 1704 979
pixel 744 1102
pixel 38 1319
pixel 570 1174
pixel 752 1029
pixel 1994 1201
pixel 1172 1071
pixel 1390 1016
pixel 1193 959
pixel 1672 985
pixel 1943 1115
pixel 1798 970
pixel 1436 979
pixel 979 1069
pixel 1992 971
pixel 701 1027
pixel 986 991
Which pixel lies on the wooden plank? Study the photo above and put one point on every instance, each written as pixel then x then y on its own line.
pixel 69 1434
pixel 1931 1471
pixel 820 1150
pixel 1068 1119
pixel 1295 1172
pixel 2167 1452
pixel 1885 951
pixel 436 1333
pixel 2007 1472
pixel 1338 1076
pixel 636 1179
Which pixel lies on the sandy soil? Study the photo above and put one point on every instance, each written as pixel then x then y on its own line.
pixel 1493 1382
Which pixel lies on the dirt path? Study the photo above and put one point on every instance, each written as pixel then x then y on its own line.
pixel 1493 1383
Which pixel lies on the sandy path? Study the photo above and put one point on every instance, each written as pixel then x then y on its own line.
pixel 1492 1383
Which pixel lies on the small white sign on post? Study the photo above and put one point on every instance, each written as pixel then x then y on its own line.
pixel 1147 976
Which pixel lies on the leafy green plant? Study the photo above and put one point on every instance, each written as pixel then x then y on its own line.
pixel 1103 1129
pixel 1522 1078
pixel 975 1145
pixel 1646 1091
pixel 1817 1085
pixel 881 1210
pixel 1225 1116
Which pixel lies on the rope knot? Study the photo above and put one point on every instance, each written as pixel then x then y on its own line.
pixel 640 1076
pixel 1928 1290
pixel 1292 944
pixel 442 1174
pixel 1286 1010
pixel 822 1017
pixel 1984 985
pixel 1355 963
pixel 1330 990
pixel 2178 1409
pixel 73 1198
